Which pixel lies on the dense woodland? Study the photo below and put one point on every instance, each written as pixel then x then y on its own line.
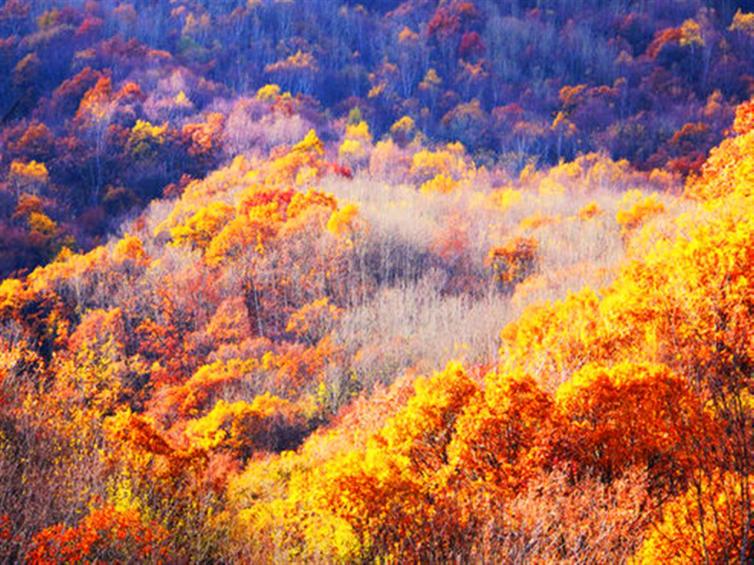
pixel 391 281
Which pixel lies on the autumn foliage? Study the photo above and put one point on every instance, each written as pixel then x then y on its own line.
pixel 456 281
pixel 106 534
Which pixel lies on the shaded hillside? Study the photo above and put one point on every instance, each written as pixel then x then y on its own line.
pixel 107 105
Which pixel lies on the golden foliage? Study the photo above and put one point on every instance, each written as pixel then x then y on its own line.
pixel 702 524
pixel 636 209
pixel 268 93
pixel 342 221
pixel 31 170
pixel 130 248
pixel 243 427
pixel 743 22
pixel 730 166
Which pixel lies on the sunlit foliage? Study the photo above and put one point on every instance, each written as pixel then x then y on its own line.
pixel 457 281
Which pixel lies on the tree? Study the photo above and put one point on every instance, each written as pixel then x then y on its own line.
pixel 635 415
pixel 513 262
pixel 106 534
pixel 502 437
pixel 708 523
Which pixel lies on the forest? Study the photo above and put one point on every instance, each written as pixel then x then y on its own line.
pixel 389 281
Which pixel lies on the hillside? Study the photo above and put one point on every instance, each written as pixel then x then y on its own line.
pixel 394 281
pixel 109 104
